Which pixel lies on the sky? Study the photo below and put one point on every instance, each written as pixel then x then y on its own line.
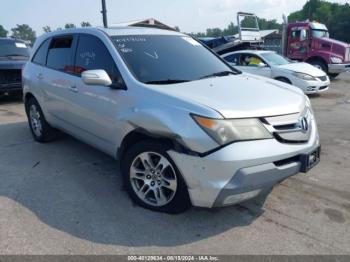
pixel 189 15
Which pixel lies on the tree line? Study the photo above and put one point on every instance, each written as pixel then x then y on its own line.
pixel 25 32
pixel 232 29
pixel 334 15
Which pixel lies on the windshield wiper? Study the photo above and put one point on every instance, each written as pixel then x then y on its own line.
pixel 14 55
pixel 219 74
pixel 166 81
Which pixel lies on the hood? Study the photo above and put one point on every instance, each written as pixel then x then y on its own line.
pixel 12 64
pixel 303 68
pixel 333 42
pixel 240 96
pixel 334 46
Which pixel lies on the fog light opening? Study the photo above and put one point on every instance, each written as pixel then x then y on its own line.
pixel 234 199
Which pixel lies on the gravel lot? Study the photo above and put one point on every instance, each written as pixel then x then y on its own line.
pixel 66 198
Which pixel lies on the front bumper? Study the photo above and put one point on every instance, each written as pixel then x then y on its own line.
pixel 338 68
pixel 312 87
pixel 241 170
pixel 10 88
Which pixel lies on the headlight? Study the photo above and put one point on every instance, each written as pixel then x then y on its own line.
pixel 227 131
pixel 308 105
pixel 336 60
pixel 308 102
pixel 304 76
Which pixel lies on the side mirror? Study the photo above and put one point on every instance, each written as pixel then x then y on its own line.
pixel 303 35
pixel 96 77
pixel 262 65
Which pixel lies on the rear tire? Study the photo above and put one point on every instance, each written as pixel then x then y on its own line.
pixel 152 179
pixel 41 130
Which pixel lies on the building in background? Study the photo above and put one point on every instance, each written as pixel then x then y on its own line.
pixel 149 22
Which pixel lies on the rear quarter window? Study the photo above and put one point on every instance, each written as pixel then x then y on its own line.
pixel 41 54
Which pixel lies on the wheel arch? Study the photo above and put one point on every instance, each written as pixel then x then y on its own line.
pixel 317 58
pixel 140 134
pixel 280 78
pixel 28 96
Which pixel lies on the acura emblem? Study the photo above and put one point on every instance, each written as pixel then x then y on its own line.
pixel 304 124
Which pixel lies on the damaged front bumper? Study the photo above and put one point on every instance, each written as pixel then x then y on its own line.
pixel 241 170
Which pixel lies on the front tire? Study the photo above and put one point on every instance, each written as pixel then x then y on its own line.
pixel 41 130
pixel 284 80
pixel 320 65
pixel 332 75
pixel 152 180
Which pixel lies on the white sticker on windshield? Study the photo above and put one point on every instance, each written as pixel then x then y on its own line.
pixel 191 40
pixel 126 50
pixel 20 45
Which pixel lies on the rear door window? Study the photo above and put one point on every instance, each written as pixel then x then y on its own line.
pixel 233 59
pixel 61 53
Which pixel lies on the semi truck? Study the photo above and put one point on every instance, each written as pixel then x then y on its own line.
pixel 306 41
pixel 310 42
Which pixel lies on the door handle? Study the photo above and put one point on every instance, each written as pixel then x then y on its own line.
pixel 40 76
pixel 73 89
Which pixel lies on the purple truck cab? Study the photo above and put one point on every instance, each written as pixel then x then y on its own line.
pixel 310 42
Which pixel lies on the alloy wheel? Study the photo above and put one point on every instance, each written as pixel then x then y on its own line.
pixel 35 120
pixel 153 179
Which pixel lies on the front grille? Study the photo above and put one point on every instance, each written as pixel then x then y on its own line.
pixel 287 161
pixel 292 129
pixel 322 87
pixel 323 78
pixel 10 77
pixel 347 54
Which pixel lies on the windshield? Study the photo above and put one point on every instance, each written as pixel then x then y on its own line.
pixel 274 59
pixel 320 33
pixel 13 48
pixel 167 58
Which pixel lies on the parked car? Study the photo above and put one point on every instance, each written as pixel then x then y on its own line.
pixel 270 64
pixel 14 53
pixel 185 126
pixel 306 41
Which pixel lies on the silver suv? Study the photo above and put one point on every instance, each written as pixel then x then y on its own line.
pixel 186 127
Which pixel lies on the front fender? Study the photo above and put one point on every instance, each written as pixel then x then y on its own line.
pixel 170 123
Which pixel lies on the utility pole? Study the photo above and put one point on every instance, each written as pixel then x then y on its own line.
pixel 309 11
pixel 104 13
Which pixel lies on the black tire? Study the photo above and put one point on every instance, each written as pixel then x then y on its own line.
pixel 47 133
pixel 284 80
pixel 333 76
pixel 180 201
pixel 319 64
